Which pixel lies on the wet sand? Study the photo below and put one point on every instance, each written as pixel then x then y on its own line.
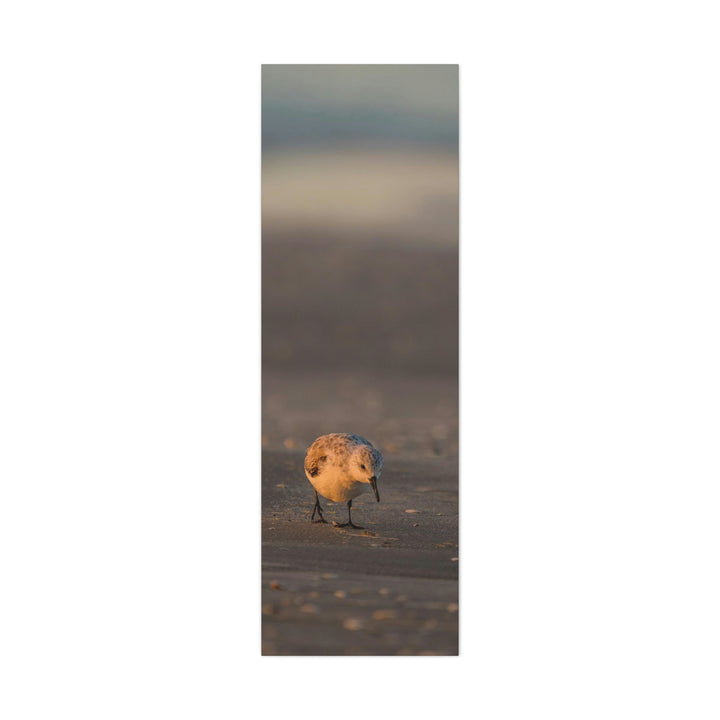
pixel 344 302
pixel 390 589
pixel 360 335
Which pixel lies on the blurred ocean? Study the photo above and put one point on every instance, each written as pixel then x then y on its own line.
pixel 385 106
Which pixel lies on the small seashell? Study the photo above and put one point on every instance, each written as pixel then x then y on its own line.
pixel 275 585
pixel 454 559
pixel 309 608
pixel 340 594
pixel 353 624
pixel 384 615
pixel 383 591
pixel 452 607
pixel 412 511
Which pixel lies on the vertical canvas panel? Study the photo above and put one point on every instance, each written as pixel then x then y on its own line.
pixel 360 336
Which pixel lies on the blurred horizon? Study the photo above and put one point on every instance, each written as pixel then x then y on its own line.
pixel 360 154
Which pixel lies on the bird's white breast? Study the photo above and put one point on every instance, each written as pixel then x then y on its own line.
pixel 336 485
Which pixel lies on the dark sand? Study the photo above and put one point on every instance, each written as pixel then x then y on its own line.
pixel 360 336
pixel 344 302
pixel 390 589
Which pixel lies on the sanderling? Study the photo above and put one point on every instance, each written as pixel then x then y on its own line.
pixel 341 466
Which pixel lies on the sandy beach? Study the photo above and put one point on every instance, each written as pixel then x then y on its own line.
pixel 360 337
pixel 390 589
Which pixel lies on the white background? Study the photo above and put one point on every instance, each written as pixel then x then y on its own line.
pixel 130 359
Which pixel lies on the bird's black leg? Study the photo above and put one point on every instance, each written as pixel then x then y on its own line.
pixel 349 523
pixel 317 507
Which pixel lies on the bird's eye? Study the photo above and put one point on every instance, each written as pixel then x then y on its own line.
pixel 362 466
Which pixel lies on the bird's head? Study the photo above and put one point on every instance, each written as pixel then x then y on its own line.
pixel 367 464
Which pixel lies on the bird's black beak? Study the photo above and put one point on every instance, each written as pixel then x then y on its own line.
pixel 373 482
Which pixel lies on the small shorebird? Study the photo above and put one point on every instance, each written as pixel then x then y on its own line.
pixel 341 466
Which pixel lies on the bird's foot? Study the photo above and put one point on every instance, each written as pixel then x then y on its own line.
pixel 348 524
pixel 319 520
